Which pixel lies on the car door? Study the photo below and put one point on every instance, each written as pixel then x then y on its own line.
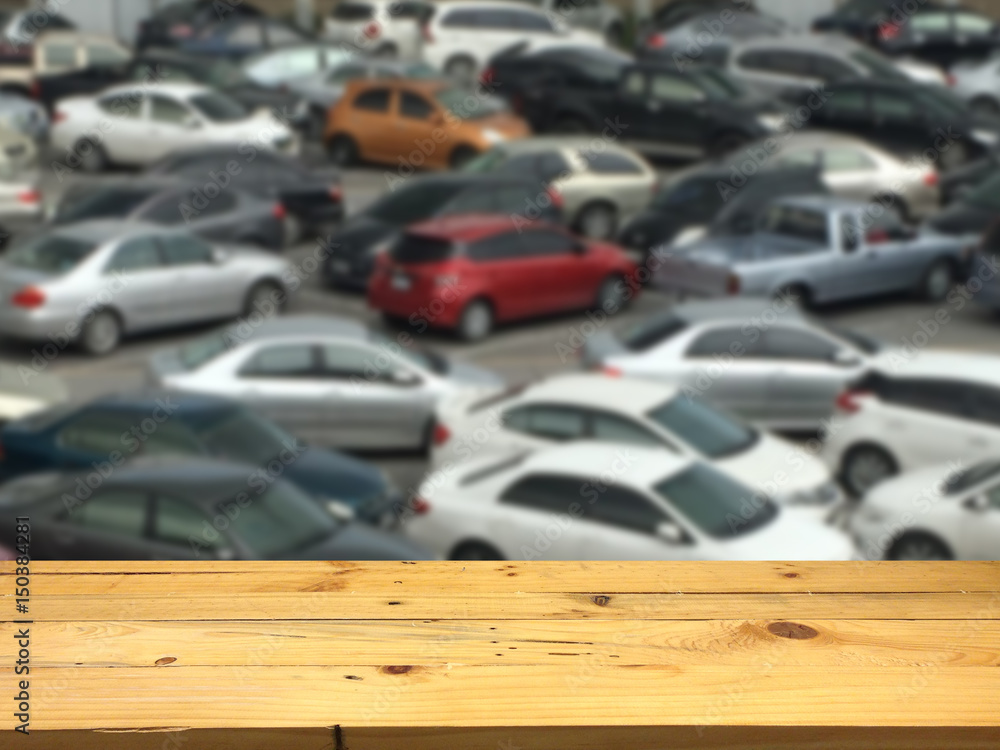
pixel 146 296
pixel 848 110
pixel 112 524
pixel 888 247
pixel 371 124
pixel 372 400
pixel 559 270
pixel 619 523
pixel 849 172
pixel 900 121
pixel 169 127
pixel 980 527
pixel 505 265
pixel 677 118
pixel 217 220
pixel 847 274
pixel 281 382
pixel 772 72
pixel 128 141
pixel 809 371
pixel 206 288
pixel 637 112
pixel 414 121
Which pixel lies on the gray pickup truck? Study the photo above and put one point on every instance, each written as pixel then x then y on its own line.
pixel 822 250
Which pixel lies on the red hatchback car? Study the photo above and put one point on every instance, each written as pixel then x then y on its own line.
pixel 469 272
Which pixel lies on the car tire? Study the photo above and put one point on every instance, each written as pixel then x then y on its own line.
pixel 985 105
pixel 102 334
pixel 476 551
pixel 342 150
pixel 918 546
pixel 727 143
pixel 461 155
pixel 95 160
pixel 461 69
pixel 597 221
pixel 799 293
pixel 864 466
pixel 612 295
pixel 937 281
pixel 264 292
pixel 476 321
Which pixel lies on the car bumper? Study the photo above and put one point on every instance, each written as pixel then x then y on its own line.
pixel 35 325
pixel 437 309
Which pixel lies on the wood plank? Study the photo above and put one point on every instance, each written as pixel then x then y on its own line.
pixel 461 604
pixel 735 643
pixel 406 696
pixel 557 577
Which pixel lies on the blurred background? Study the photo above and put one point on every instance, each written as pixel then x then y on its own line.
pixel 500 279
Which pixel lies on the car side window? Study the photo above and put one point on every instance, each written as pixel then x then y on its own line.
pixel 97 432
pixel 122 105
pixel 993 497
pixel 167 110
pixel 562 423
pixel 935 396
pixel 346 73
pixel 930 23
pixel 531 22
pixel 614 429
pixel 176 522
pixel 829 68
pixel 463 18
pixel 667 88
pixel 546 493
pixel 780 342
pixel 184 250
pixel 611 163
pixel 894 107
pixel 121 512
pixel 628 510
pixel 847 160
pixel 724 342
pixel 346 362
pixel 373 100
pixel 634 84
pixel 285 361
pixel 415 107
pixel 546 242
pixel 970 23
pixel 140 254
pixel 850 234
pixel 847 104
pixel 59 55
pixel 500 247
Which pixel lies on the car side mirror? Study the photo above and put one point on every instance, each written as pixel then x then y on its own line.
pixel 340 511
pixel 977 504
pixel 671 533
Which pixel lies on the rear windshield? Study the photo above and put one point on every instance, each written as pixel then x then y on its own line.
pixel 969 478
pixel 102 204
pixel 352 12
pixel 52 254
pixel 415 248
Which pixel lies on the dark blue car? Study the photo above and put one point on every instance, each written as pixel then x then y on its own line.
pixel 96 438
pixel 238 37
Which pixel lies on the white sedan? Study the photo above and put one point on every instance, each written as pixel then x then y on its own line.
pixel 938 513
pixel 632 412
pixel 600 501
pixel 140 124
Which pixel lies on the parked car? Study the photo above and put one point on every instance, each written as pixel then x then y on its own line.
pixel 386 121
pixel 656 108
pixel 804 63
pixel 908 119
pixel 672 14
pixel 312 199
pixel 146 126
pixel 55 284
pixel 281 66
pixel 978 83
pixel 381 28
pixel 325 379
pixel 959 519
pixel 821 250
pixel 232 216
pixel 942 36
pixel 20 199
pixel 635 413
pixel 853 168
pixel 600 187
pixel 960 180
pixel 58 52
pixel 599 16
pixel 690 205
pixel 972 214
pixel 162 509
pixel 21 397
pixel 658 507
pixel 863 19
pixel 681 38
pixel 901 416
pixel 355 245
pixel 785 375
pixel 238 37
pixel 23 116
pixel 118 429
pixel 173 23
pixel 470 272
pixel 462 35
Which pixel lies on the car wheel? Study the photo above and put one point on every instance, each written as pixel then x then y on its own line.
pixel 985 105
pixel 919 547
pixel 937 282
pixel 93 158
pixel 476 551
pixel 342 150
pixel 598 221
pixel 727 143
pixel 612 295
pixel 571 125
pixel 462 155
pixel 476 321
pixel 866 466
pixel 461 69
pixel 263 299
pixel 953 156
pixel 102 334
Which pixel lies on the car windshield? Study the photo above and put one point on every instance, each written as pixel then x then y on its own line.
pixel 51 254
pixel 203 350
pixel 241 436
pixel 487 162
pixel 102 204
pixel 961 481
pixel 223 73
pixel 219 108
pixel 466 106
pixel 412 203
pixel 878 66
pixel 715 503
pixel 282 521
pixel 709 431
pixel 986 194
pixel 428 360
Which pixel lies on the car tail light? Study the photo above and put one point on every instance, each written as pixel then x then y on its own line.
pixel 419 505
pixel 425 32
pixel 29 196
pixel 486 78
pixel 887 31
pixel 612 372
pixel 59 116
pixel 556 197
pixel 336 193
pixel 372 30
pixel 847 401
pixel 29 298
pixel 931 179
pixel 279 212
pixel 950 79
pixel 733 284
pixel 656 41
pixel 441 434
pixel 877 237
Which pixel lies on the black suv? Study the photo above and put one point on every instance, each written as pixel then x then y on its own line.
pixel 651 106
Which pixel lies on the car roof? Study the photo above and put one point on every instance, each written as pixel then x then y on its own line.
pixel 825 42
pixel 822 203
pixel 730 308
pixel 468 227
pixel 101 231
pixel 559 143
pixel 205 480
pixel 308 325
pixel 643 467
pixel 970 366
pixel 631 396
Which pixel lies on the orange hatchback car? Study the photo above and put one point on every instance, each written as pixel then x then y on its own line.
pixel 417 124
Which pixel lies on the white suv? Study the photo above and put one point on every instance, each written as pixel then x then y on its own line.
pixel 937 407
pixel 462 35
pixel 382 28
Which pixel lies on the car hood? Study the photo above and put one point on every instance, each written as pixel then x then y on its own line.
pixel 791 536
pixel 356 541
pixel 330 475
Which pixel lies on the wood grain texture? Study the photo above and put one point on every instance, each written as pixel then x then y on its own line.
pixel 509 656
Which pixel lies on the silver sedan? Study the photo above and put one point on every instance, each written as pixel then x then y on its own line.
pixel 94 282
pixel 327 380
